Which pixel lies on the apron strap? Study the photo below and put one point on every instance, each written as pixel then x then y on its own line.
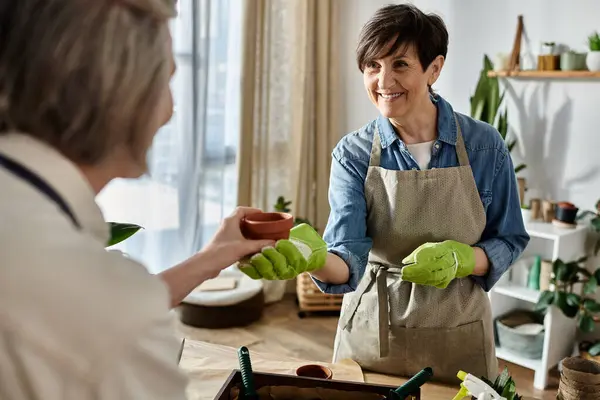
pixel 377 273
pixel 375 160
pixel 461 151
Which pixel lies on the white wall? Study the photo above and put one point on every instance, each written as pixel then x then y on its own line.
pixel 556 121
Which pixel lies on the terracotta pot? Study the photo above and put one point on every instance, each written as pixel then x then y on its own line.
pixel 273 226
pixel 314 371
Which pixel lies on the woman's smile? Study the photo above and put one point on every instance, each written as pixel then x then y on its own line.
pixel 390 97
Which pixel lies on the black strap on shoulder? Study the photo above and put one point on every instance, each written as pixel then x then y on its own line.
pixel 34 180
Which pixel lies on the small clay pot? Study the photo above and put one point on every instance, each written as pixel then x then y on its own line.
pixel 314 371
pixel 566 212
pixel 272 225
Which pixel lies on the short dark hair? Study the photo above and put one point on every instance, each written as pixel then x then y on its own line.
pixel 410 26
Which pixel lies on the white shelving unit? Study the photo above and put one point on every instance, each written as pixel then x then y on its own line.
pixel 550 243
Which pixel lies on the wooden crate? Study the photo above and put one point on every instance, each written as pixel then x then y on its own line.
pixel 311 299
pixel 268 379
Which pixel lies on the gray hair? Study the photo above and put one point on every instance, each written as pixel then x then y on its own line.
pixel 83 75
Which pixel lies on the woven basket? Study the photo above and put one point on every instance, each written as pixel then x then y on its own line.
pixel 311 299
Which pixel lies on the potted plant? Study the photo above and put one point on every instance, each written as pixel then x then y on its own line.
pixel 572 290
pixel 593 57
pixel 594 222
pixel 504 385
pixel 485 106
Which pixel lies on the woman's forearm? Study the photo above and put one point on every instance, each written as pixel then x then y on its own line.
pixel 335 271
pixel 185 277
pixel 482 263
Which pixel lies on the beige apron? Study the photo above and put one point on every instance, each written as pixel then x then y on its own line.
pixel 396 327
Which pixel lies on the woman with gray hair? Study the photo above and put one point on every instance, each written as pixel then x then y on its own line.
pixel 84 87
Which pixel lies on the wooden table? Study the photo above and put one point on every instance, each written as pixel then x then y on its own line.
pixel 208 366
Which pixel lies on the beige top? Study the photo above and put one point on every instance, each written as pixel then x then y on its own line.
pixel 76 321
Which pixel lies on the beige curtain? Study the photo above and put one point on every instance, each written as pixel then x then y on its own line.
pixel 289 119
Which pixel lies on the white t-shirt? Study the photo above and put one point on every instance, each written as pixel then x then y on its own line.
pixel 421 152
pixel 76 321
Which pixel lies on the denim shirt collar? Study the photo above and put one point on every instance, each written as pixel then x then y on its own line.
pixel 446 124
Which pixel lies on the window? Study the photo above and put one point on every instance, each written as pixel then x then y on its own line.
pixel 192 179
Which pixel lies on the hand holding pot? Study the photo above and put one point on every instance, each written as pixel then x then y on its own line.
pixel 304 251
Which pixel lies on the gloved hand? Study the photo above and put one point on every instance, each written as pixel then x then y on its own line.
pixel 305 251
pixel 437 264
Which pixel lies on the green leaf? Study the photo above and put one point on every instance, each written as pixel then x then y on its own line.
pixel 586 213
pixel 561 302
pixel 573 300
pixel 597 275
pixel 594 350
pixel 120 232
pixel 590 286
pixel 546 298
pixel 591 306
pixel 596 224
pixel 519 168
pixel 565 271
pixel 557 265
pixel 586 323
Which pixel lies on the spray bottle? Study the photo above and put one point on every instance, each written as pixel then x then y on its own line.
pixel 473 386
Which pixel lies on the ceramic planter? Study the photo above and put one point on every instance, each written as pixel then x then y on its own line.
pixel 593 60
pixel 571 61
pixel 565 212
pixel 273 226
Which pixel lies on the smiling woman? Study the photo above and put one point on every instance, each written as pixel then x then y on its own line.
pixel 424 202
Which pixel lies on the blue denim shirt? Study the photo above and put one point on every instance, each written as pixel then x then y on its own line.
pixel 504 237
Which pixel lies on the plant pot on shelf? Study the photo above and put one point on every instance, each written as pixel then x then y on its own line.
pixel 572 61
pixel 592 60
pixel 521 332
pixel 549 62
pixel 565 212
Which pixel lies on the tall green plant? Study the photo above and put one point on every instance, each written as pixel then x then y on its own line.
pixel 486 103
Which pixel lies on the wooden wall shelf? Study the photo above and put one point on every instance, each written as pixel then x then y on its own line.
pixel 545 74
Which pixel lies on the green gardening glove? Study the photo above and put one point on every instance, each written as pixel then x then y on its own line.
pixel 437 264
pixel 305 251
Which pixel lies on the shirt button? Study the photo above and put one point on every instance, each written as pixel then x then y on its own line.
pixel 414 169
pixel 437 145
